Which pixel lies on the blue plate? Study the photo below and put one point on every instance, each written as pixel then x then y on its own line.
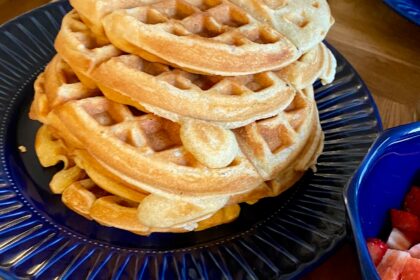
pixel 390 168
pixel 410 9
pixel 280 237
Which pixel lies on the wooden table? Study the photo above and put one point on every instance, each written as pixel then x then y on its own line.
pixel 383 47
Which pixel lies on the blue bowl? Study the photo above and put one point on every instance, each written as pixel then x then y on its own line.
pixel 410 9
pixel 390 168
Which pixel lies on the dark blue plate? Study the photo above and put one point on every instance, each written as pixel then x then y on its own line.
pixel 388 171
pixel 280 237
pixel 410 9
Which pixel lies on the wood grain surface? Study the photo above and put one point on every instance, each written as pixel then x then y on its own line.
pixel 383 47
pixel 385 50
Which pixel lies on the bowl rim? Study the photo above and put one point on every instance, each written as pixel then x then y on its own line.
pixel 351 191
pixel 404 12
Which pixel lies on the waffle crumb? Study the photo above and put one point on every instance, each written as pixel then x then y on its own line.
pixel 22 149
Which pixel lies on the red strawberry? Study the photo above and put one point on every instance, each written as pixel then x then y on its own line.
pixel 377 249
pixel 412 201
pixel 398 240
pixel 415 251
pixel 412 236
pixel 393 264
pixel 411 270
pixel 408 223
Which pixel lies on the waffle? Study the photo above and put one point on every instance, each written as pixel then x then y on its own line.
pixel 227 101
pixel 81 164
pixel 290 172
pixel 273 144
pixel 91 199
pixel 86 198
pixel 328 74
pixel 168 114
pixel 287 177
pixel 93 11
pixel 149 149
pixel 63 85
pixel 78 46
pixel 203 36
pixel 317 63
pixel 151 145
pixel 297 114
pixel 304 22
pixel 179 96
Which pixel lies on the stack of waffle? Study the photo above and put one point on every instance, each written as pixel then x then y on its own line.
pixel 168 114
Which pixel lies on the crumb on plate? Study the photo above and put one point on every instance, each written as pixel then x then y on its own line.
pixel 22 149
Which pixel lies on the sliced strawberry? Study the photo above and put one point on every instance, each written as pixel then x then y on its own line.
pixel 411 270
pixel 398 240
pixel 377 249
pixel 415 251
pixel 392 264
pixel 406 222
pixel 412 236
pixel 412 201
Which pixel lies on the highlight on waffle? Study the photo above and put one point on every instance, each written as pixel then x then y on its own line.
pixel 168 115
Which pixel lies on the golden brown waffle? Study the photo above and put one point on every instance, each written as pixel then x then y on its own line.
pixel 92 200
pixel 62 84
pixel 304 22
pixel 152 147
pixel 287 177
pixel 328 74
pixel 230 102
pixel 86 199
pixel 202 36
pixel 305 157
pixel 78 46
pixel 93 11
pixel 178 95
pixel 317 63
pixel 297 117
pixel 273 144
pixel 150 153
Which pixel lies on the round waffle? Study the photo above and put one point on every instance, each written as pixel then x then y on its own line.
pixel 304 22
pixel 93 11
pixel 76 43
pixel 211 37
pixel 116 207
pixel 317 63
pixel 178 95
pixel 146 150
pixel 273 144
pixel 171 93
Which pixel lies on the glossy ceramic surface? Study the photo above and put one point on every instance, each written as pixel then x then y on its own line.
pixel 410 9
pixel 390 168
pixel 278 238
